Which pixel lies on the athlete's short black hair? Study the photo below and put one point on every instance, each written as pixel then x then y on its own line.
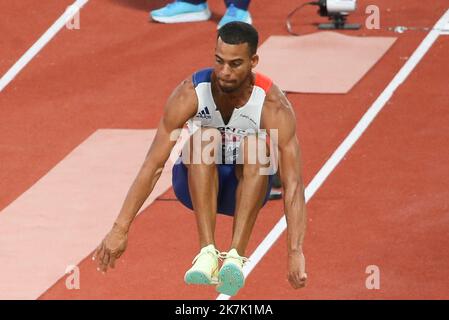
pixel 240 32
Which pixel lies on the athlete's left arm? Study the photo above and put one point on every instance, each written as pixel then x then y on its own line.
pixel 279 115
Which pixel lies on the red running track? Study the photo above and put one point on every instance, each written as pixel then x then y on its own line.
pixel 384 205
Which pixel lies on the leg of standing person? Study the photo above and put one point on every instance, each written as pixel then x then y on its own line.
pixel 194 1
pixel 241 4
pixel 237 10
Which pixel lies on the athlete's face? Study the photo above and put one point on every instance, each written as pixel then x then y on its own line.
pixel 233 64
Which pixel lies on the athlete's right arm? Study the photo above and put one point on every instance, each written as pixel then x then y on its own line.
pixel 181 106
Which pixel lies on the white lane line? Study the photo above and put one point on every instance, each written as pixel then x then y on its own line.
pixel 445 29
pixel 346 145
pixel 39 44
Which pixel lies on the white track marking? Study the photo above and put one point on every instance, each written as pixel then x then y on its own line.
pixel 39 44
pixel 349 141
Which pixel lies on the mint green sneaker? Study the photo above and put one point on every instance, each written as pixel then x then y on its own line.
pixel 205 267
pixel 230 277
pixel 180 11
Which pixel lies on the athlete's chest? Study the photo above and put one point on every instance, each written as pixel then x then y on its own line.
pixel 227 107
pixel 225 112
pixel 221 111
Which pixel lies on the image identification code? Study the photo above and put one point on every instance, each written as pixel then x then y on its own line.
pixel 225 309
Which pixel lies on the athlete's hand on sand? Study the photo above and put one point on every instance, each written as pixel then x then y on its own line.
pixel 111 248
pixel 296 269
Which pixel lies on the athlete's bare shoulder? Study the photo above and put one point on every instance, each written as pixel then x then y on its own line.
pixel 183 97
pixel 182 104
pixel 276 109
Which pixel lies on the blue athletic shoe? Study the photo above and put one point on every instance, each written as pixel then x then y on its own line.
pixel 180 11
pixel 235 14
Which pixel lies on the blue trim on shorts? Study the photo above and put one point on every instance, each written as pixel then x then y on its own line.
pixel 227 187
